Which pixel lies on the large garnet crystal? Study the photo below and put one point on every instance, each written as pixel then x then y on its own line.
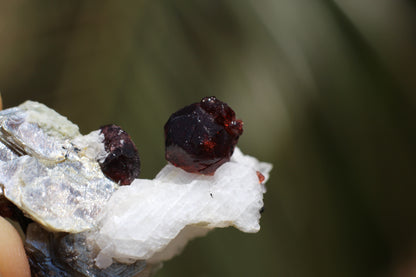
pixel 122 164
pixel 201 137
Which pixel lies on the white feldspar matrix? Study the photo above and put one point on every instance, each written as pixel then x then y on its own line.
pixel 154 219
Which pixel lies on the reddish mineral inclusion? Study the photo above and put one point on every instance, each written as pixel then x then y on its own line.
pixel 201 137
pixel 260 176
pixel 122 164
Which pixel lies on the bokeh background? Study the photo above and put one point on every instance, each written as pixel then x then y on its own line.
pixel 326 90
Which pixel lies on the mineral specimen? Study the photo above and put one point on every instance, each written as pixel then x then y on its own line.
pixel 87 225
pixel 202 136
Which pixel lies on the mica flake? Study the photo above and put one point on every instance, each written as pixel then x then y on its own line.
pixel 45 174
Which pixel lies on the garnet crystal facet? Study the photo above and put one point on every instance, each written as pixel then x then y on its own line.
pixel 122 164
pixel 202 136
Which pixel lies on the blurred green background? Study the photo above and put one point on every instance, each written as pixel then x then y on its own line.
pixel 326 90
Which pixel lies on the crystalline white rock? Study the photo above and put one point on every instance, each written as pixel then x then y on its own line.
pixel 91 146
pixel 154 219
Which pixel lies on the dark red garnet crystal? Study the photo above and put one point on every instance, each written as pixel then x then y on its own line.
pixel 122 164
pixel 201 137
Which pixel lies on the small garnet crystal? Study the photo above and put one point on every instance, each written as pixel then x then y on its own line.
pixel 122 164
pixel 202 136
